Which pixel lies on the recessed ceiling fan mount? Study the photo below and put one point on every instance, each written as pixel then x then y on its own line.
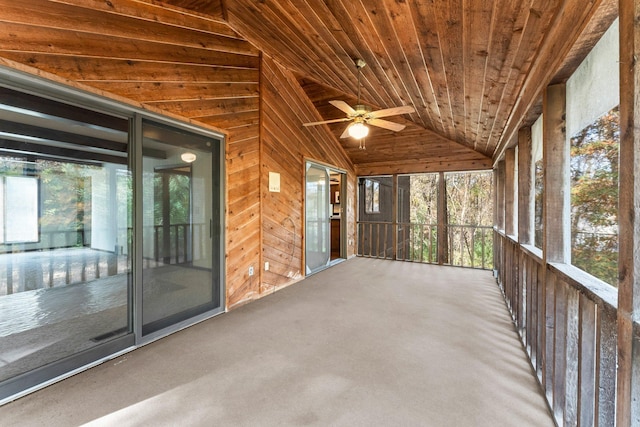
pixel 361 115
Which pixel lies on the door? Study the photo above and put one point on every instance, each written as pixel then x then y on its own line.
pixel 180 237
pixel 318 238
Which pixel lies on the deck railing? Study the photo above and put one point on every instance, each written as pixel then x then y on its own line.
pixel 66 257
pixel 567 322
pixel 465 246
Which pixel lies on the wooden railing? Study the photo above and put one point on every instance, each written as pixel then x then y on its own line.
pixel 470 246
pixel 417 242
pixel 567 322
pixel 57 264
pixel 466 245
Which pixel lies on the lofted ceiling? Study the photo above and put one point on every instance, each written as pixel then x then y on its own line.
pixel 472 69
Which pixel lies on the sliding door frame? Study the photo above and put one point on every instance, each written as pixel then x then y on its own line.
pixel 79 361
pixel 328 169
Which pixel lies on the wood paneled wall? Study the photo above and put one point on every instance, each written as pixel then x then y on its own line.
pixel 286 145
pixel 197 69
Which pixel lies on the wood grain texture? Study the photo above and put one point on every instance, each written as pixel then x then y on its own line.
pixel 556 203
pixel 286 147
pixel 471 69
pixel 462 64
pixel 510 206
pixel 628 316
pixel 525 185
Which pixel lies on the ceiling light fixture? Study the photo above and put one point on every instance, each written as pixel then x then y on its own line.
pixel 358 130
pixel 188 157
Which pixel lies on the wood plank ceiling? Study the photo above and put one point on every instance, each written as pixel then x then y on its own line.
pixel 472 69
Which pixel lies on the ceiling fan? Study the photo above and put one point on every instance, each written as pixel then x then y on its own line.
pixel 361 115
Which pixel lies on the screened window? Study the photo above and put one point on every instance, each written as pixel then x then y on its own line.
pixel 372 196
pixel 536 148
pixel 593 126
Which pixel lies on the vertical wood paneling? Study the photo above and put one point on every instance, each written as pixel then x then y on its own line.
pixel 570 335
pixel 541 322
pixel 523 294
pixel 559 350
pixel 607 364
pixel 549 335
pixel 572 354
pixel 587 362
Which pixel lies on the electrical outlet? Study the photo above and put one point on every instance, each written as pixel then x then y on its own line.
pixel 266 266
pixel 251 271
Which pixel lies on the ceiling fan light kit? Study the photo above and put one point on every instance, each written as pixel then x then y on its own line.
pixel 358 130
pixel 361 115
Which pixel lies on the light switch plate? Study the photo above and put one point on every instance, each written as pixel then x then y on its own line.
pixel 274 182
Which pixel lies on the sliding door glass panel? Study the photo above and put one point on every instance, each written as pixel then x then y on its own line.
pixel 65 222
pixel 317 240
pixel 181 258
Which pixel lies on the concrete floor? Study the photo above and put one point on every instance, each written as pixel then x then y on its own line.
pixel 365 343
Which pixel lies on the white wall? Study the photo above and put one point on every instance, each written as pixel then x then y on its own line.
pixel 593 89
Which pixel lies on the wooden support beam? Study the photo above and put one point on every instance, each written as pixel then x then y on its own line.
pixel 555 244
pixel 525 186
pixel 556 199
pixel 443 242
pixel 500 177
pixel 394 217
pixel 510 207
pixel 628 375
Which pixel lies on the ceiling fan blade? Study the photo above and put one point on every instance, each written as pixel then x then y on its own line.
pixel 344 119
pixel 405 109
pixel 345 134
pixel 343 106
pixel 385 124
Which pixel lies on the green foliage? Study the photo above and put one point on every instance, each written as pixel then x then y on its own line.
pixel 539 194
pixel 424 198
pixel 66 195
pixel 172 193
pixel 469 203
pixel 594 197
pixel 469 198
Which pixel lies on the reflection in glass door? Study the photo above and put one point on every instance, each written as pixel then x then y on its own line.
pixel 180 241
pixel 65 223
pixel 317 240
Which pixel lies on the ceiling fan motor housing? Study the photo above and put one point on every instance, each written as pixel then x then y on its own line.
pixel 362 109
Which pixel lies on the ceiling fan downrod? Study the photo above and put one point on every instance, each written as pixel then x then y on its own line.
pixel 360 64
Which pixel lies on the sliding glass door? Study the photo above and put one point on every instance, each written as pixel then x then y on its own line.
pixel 110 231
pixel 65 238
pixel 317 236
pixel 180 229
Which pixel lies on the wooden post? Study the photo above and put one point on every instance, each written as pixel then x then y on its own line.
pixel 500 195
pixel 394 218
pixel 628 375
pixel 525 186
pixel 510 207
pixel 557 233
pixel 443 242
pixel 555 244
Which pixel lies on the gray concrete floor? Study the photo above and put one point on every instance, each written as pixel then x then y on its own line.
pixel 365 343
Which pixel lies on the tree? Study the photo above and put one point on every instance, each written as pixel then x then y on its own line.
pixel 594 197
